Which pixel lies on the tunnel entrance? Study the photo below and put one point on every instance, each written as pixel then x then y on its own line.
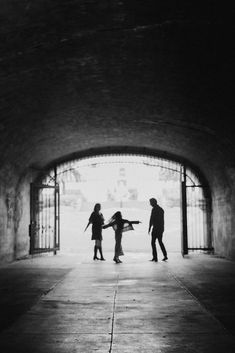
pixel 64 197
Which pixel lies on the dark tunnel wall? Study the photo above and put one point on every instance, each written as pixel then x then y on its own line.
pixel 81 75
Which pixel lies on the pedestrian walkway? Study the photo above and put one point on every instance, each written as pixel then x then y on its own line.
pixel 74 304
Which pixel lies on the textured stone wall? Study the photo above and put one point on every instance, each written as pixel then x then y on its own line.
pixel 223 215
pixel 14 214
pixel 22 217
pixel 7 213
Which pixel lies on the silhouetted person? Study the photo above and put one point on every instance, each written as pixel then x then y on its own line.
pixel 156 222
pixel 119 225
pixel 97 221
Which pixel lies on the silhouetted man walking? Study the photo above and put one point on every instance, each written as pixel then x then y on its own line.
pixel 156 222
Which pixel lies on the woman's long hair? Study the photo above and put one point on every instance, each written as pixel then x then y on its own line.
pixel 115 217
pixel 124 224
pixel 97 207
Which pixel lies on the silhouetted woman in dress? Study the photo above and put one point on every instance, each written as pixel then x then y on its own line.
pixel 119 225
pixel 97 221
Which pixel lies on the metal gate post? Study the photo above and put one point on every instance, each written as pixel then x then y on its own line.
pixel 184 239
pixel 55 211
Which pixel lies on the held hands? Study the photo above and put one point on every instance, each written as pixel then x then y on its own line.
pixel 134 222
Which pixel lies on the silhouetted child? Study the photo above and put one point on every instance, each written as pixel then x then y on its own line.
pixel 119 225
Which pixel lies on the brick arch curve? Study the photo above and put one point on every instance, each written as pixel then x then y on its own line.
pixel 135 150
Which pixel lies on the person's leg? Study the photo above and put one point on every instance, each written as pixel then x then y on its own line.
pixel 162 246
pixel 121 251
pixel 153 244
pixel 117 246
pixel 95 253
pixel 116 249
pixel 100 250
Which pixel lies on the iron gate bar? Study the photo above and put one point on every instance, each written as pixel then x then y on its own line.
pixel 44 221
pixel 204 249
pixel 184 237
pixel 199 238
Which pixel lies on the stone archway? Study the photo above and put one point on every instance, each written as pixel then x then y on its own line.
pixel 192 214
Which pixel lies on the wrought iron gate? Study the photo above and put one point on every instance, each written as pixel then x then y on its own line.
pixel 196 214
pixel 44 218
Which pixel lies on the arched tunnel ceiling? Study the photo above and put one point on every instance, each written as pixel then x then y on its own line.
pixel 79 74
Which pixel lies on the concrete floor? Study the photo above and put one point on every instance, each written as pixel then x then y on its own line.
pixel 74 304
